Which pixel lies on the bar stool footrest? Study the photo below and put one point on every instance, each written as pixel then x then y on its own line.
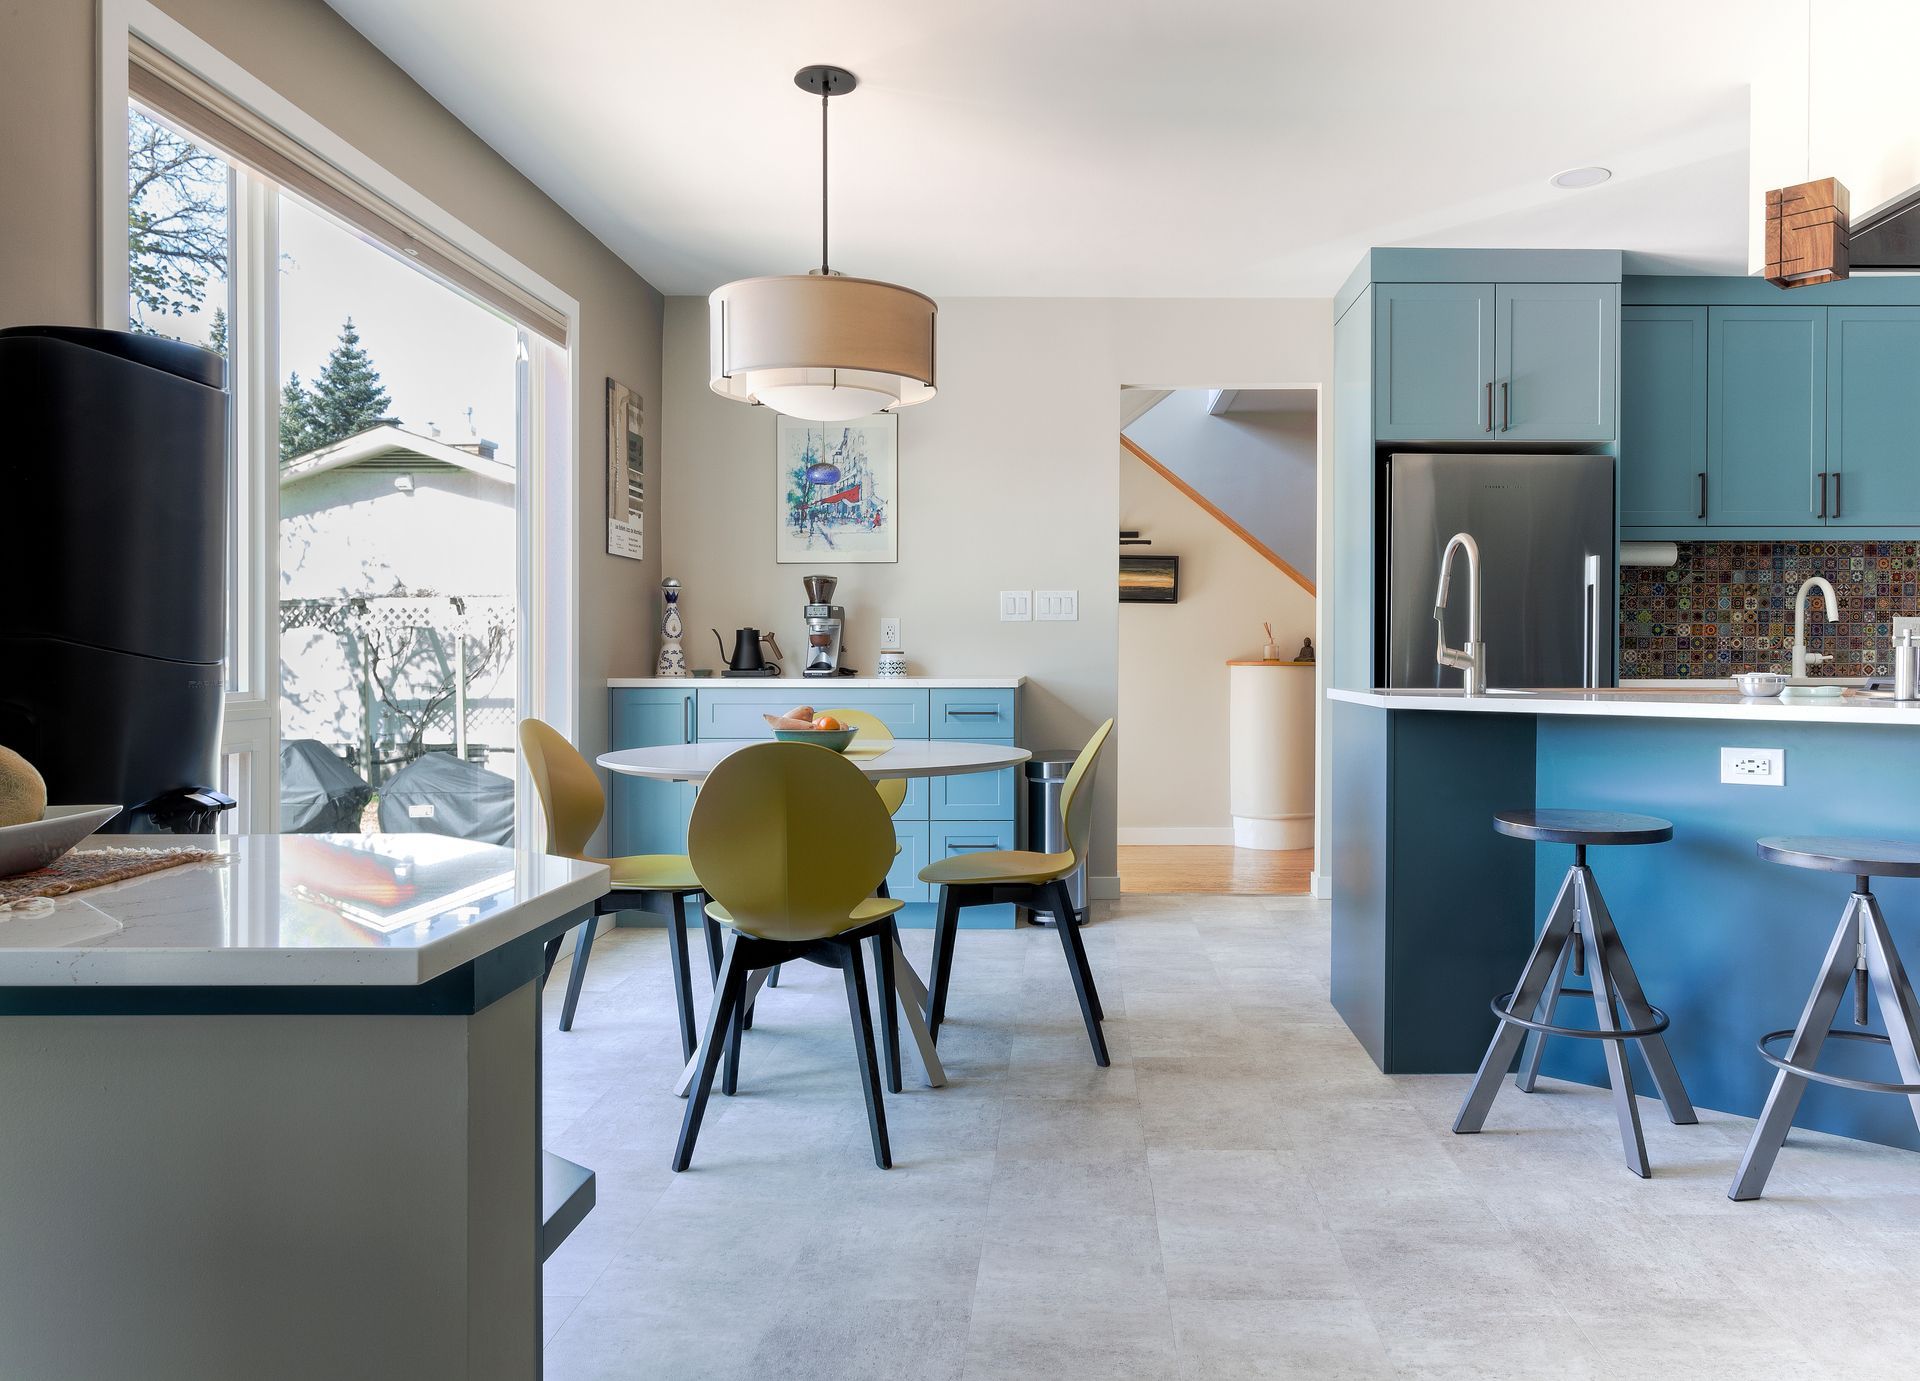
pixel 1624 1033
pixel 1837 1080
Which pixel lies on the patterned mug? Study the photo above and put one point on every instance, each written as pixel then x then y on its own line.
pixel 893 664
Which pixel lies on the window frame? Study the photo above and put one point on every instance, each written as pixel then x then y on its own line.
pixel 547 497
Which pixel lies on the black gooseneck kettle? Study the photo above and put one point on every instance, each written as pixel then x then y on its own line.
pixel 746 658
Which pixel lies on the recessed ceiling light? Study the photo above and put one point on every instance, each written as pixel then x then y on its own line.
pixel 1574 178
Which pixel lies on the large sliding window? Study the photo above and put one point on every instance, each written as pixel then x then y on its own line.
pixel 391 419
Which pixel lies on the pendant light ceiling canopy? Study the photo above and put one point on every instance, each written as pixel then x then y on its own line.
pixel 820 345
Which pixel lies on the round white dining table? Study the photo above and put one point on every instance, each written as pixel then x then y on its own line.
pixel 904 757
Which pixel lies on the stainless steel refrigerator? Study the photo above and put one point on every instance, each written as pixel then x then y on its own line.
pixel 1545 528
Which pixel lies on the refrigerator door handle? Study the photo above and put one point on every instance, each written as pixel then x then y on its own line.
pixel 1590 624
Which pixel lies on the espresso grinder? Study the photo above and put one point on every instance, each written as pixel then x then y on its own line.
pixel 825 622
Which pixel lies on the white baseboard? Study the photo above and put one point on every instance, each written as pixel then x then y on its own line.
pixel 1320 884
pixel 1103 889
pixel 1176 834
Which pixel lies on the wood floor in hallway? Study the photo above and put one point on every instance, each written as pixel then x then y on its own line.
pixel 1167 869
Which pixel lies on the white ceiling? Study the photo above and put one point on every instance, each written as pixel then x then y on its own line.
pixel 1107 147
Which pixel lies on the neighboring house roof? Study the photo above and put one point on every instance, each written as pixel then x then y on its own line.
pixel 388 445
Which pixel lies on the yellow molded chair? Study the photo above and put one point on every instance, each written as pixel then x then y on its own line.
pixel 1026 879
pixel 790 841
pixel 893 794
pixel 571 799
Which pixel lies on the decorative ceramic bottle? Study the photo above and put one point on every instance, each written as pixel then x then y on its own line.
pixel 673 661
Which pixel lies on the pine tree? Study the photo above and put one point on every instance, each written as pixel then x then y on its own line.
pixel 217 332
pixel 347 397
pixel 296 420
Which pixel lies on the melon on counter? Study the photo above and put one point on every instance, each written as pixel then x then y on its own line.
pixel 23 794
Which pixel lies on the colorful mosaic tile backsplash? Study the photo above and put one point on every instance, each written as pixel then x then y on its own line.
pixel 1726 607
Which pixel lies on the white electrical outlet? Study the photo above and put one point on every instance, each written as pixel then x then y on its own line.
pixel 1753 766
pixel 1058 606
pixel 1016 606
pixel 889 635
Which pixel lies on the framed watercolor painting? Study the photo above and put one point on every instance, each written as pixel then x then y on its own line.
pixel 836 490
pixel 1149 580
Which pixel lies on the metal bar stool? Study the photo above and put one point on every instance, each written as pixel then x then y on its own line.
pixel 1862 950
pixel 1579 937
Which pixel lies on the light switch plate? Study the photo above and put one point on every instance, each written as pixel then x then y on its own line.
pixel 1059 606
pixel 1753 766
pixel 1016 606
pixel 889 635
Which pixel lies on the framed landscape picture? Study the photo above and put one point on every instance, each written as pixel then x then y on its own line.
pixel 1149 580
pixel 836 494
pixel 626 473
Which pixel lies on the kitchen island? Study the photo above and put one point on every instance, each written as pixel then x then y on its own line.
pixel 1434 913
pixel 279 1115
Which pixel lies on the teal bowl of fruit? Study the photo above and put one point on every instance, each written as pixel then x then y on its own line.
pixel 837 739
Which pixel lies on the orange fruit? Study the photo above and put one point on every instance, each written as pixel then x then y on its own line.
pixel 827 722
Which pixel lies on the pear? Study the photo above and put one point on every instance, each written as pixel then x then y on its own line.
pixel 23 794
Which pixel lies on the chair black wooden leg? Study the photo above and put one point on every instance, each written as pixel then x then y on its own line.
pixel 883 944
pixel 1065 898
pixel 730 1072
pixel 855 973
pixel 944 929
pixel 682 972
pixel 1077 965
pixel 711 928
pixel 582 947
pixel 726 996
pixel 773 980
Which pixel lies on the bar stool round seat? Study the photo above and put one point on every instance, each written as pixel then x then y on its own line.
pixel 1880 858
pixel 1860 956
pixel 1583 827
pixel 1579 938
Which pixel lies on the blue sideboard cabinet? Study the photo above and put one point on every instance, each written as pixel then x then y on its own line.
pixel 940 817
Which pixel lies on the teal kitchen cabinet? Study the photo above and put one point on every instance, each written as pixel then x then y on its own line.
pixel 1767 416
pixel 1663 417
pixel 650 817
pixel 1528 362
pixel 1873 417
pixel 1555 360
pixel 1433 361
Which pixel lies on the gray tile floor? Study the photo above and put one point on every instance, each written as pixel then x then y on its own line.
pixel 1242 1194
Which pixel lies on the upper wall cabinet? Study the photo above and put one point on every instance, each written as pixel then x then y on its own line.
pixel 1521 362
pixel 1873 417
pixel 1767 418
pixel 1433 361
pixel 1663 417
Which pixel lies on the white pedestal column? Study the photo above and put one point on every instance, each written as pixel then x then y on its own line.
pixel 1270 752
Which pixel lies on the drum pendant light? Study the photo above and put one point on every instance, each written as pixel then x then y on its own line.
pixel 819 345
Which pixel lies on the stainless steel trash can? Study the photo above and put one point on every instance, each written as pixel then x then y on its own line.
pixel 1046 832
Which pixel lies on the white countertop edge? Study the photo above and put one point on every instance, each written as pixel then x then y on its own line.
pixel 1644 705
pixel 82 966
pixel 819 683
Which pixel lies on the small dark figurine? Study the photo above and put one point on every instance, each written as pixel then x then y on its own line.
pixel 1305 654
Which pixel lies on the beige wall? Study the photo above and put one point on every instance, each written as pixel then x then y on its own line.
pixel 309 55
pixel 1007 480
pixel 1173 662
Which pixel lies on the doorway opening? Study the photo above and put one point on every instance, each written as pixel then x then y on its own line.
pixel 1218 554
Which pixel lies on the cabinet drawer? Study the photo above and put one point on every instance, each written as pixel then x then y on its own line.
pixel 740 713
pixel 914 807
pixel 903 878
pixel 973 795
pixel 979 714
pixel 944 840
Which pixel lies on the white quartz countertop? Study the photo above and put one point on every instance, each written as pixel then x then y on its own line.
pixel 1649 703
pixel 302 910
pixel 817 685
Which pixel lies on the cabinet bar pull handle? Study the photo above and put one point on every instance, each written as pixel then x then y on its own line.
pixel 1506 408
pixel 1703 496
pixel 1823 493
pixel 1489 405
pixel 1836 493
pixel 686 718
pixel 953 713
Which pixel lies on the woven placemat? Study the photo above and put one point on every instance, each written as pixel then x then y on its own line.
pixel 82 869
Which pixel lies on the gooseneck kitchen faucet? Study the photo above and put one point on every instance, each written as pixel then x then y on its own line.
pixel 1472 659
pixel 1802 659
